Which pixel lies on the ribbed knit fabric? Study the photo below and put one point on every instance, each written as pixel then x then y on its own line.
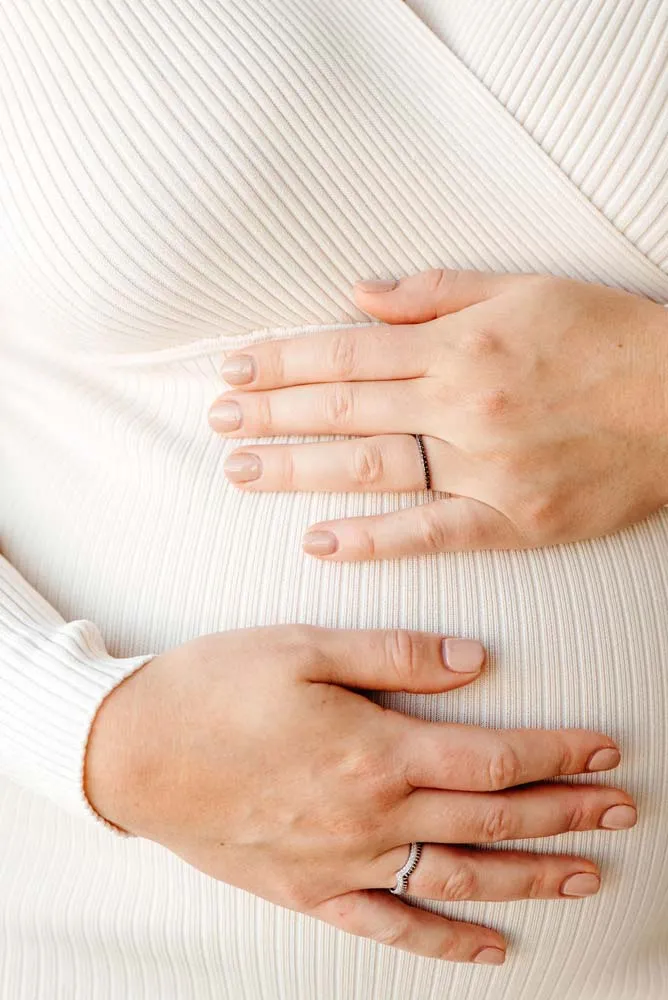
pixel 179 176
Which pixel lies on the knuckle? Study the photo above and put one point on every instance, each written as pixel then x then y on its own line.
pixel 497 824
pixel 342 355
pixel 368 769
pixel 367 460
pixel 393 934
pixel 365 545
pixel 433 532
pixel 539 886
pixel 402 656
pixel 299 645
pixel 442 280
pixel 460 884
pixel 339 405
pixel 450 948
pixel 287 478
pixel 263 416
pixel 568 760
pixel 541 515
pixel 576 818
pixel 505 769
pixel 479 343
pixel 491 404
pixel 273 362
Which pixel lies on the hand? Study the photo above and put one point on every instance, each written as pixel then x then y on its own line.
pixel 543 404
pixel 246 754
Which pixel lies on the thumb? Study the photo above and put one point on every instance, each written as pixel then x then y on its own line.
pixel 428 295
pixel 391 660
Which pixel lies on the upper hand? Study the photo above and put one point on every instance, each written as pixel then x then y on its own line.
pixel 247 754
pixel 543 401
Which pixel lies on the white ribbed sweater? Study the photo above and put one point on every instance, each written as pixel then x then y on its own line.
pixel 176 176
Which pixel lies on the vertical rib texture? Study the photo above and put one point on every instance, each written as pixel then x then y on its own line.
pixel 179 177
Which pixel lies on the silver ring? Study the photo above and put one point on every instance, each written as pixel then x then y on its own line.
pixel 405 873
pixel 425 462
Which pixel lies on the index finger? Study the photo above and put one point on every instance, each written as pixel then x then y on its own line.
pixel 471 758
pixel 351 354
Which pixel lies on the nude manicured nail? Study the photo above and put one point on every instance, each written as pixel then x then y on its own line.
pixel 464 656
pixel 619 818
pixel 239 370
pixel 225 416
pixel 376 286
pixel 320 543
pixel 582 884
pixel 243 468
pixel 490 956
pixel 604 760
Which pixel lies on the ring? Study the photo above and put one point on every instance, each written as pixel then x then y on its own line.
pixel 405 873
pixel 425 462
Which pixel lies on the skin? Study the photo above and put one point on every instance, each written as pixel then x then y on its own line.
pixel 543 403
pixel 314 806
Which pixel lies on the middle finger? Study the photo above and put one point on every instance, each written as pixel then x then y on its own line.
pixel 472 758
pixel 488 818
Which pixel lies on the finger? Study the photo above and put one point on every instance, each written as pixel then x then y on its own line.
pixel 451 874
pixel 386 919
pixel 389 660
pixel 430 294
pixel 487 818
pixel 385 462
pixel 347 355
pixel 454 525
pixel 472 758
pixel 337 408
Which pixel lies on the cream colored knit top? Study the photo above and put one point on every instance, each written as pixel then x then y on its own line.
pixel 179 175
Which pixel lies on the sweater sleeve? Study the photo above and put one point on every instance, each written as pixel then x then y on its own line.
pixel 53 677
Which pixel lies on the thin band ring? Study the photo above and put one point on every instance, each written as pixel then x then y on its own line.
pixel 425 461
pixel 405 873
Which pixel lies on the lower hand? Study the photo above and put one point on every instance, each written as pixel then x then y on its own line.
pixel 247 754
pixel 543 404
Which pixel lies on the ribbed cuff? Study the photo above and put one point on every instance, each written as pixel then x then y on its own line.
pixel 53 678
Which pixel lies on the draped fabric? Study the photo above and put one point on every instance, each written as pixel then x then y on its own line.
pixel 179 176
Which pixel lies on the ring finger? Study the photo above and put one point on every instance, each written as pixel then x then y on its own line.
pixel 450 874
pixel 384 462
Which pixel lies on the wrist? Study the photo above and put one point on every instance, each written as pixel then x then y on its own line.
pixel 112 764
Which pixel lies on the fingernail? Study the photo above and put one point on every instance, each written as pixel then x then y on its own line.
pixel 225 416
pixel 243 468
pixel 582 884
pixel 604 760
pixel 320 543
pixel 490 956
pixel 376 286
pixel 464 656
pixel 239 370
pixel 619 818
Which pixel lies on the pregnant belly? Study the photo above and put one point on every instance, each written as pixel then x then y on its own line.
pixel 126 519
